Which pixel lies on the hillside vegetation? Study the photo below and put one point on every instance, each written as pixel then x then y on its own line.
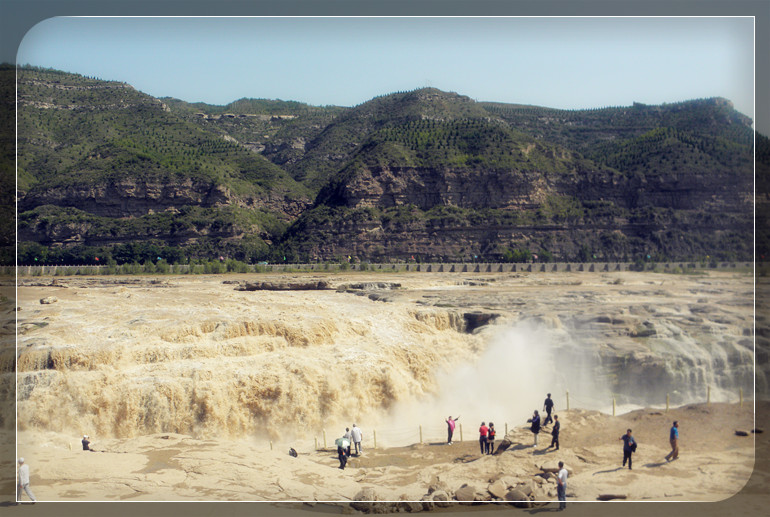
pixel 429 174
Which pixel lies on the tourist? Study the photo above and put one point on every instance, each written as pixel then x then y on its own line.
pixel 535 428
pixel 629 446
pixel 673 438
pixel 24 482
pixel 349 437
pixel 561 486
pixel 357 435
pixel 86 443
pixel 483 437
pixel 342 456
pixel 548 407
pixel 555 432
pixel 450 428
pixel 491 438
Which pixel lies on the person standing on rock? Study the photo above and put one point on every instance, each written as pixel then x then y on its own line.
pixel 491 438
pixel 450 428
pixel 555 432
pixel 629 446
pixel 342 456
pixel 357 435
pixel 349 437
pixel 535 428
pixel 483 430
pixel 548 407
pixel 561 486
pixel 673 438
pixel 23 482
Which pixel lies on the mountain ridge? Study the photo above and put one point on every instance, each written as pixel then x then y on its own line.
pixel 429 166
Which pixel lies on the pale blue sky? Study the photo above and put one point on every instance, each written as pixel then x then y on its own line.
pixel 556 62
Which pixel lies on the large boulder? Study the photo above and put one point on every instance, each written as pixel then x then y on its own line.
pixel 553 467
pixel 427 502
pixel 364 500
pixel 518 498
pixel 438 485
pixel 441 499
pixel 498 489
pixel 411 506
pixel 466 494
pixel 504 444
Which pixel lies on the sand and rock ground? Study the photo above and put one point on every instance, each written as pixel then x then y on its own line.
pixel 176 313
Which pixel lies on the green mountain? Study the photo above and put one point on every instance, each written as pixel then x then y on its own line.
pixel 106 169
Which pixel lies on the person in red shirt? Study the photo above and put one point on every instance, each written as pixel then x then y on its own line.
pixel 483 430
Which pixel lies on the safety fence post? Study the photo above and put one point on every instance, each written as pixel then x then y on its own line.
pixel 741 397
pixel 420 434
pixel 666 402
pixel 567 400
pixel 708 395
pixel 316 442
pixel 613 406
pixel 461 432
pixel 271 445
pixel 324 438
pixel 375 439
pixel 506 428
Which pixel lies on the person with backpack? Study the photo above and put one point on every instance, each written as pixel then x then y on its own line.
pixel 491 439
pixel 629 447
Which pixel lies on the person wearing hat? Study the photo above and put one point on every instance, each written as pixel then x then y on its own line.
pixel 24 482
pixel 86 442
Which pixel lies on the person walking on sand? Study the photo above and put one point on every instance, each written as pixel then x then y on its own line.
pixel 483 437
pixel 535 428
pixel 555 432
pixel 23 482
pixel 673 438
pixel 548 407
pixel 357 435
pixel 561 486
pixel 629 446
pixel 450 428
pixel 491 438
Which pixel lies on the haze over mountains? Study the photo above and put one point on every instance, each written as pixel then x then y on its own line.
pixel 106 170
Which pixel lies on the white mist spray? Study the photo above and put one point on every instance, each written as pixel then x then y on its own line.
pixel 506 384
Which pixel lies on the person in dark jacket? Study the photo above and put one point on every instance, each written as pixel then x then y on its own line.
pixel 342 456
pixel 629 446
pixel 555 432
pixel 548 407
pixel 491 438
pixel 535 428
pixel 86 443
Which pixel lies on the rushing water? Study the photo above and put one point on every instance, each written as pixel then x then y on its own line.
pixel 195 356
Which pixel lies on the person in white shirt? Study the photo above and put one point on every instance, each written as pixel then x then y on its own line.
pixel 348 435
pixel 357 435
pixel 24 482
pixel 561 486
